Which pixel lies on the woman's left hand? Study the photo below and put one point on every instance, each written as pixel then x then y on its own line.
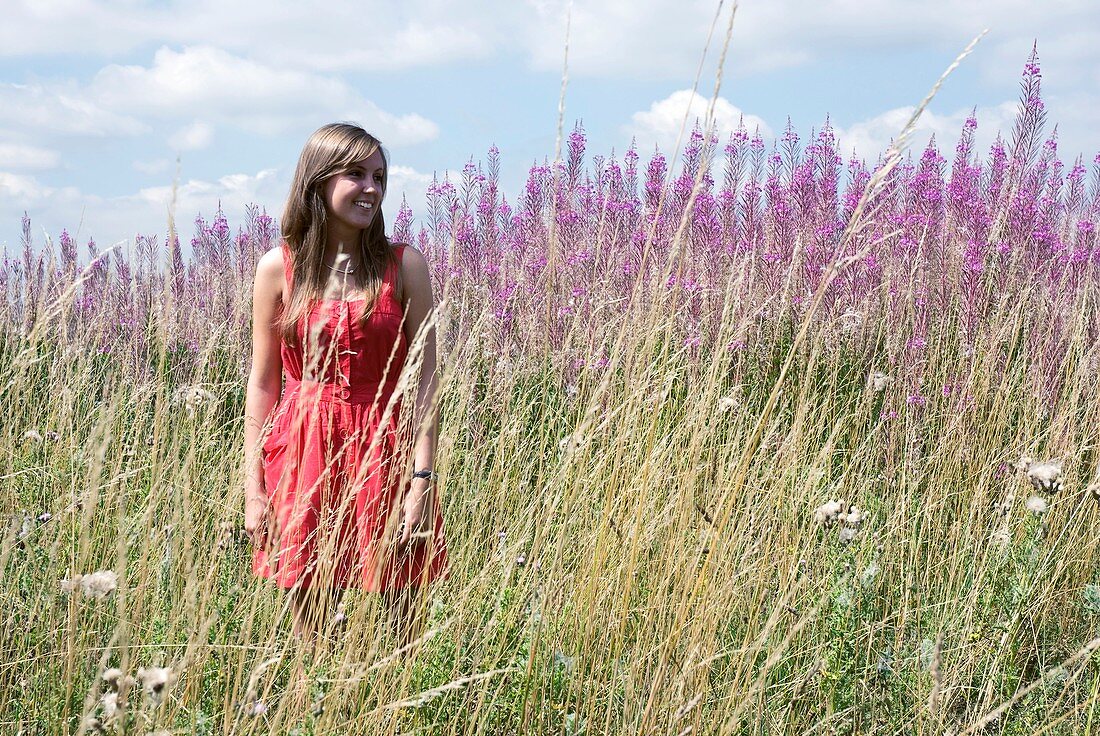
pixel 417 521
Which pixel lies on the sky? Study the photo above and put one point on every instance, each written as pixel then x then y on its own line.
pixel 105 103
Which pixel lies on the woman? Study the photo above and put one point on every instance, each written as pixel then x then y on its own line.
pixel 328 503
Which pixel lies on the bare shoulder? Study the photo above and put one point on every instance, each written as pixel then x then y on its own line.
pixel 270 277
pixel 411 259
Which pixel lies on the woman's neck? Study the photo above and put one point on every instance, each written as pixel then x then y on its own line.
pixel 344 249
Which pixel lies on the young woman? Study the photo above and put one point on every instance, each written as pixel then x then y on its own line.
pixel 329 503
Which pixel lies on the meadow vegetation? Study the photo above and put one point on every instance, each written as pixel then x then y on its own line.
pixel 765 441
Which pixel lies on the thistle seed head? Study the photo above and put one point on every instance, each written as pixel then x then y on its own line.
pixel 879 381
pixel 98 584
pixel 155 681
pixel 1046 477
pixel 194 398
pixel 828 513
pixel 108 705
pixel 111 677
pixel 1036 505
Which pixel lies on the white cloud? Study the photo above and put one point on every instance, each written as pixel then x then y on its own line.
pixel 640 39
pixel 123 101
pixel 253 96
pixel 192 137
pixel 660 124
pixel 413 185
pixel 417 44
pixel 636 38
pixel 370 35
pixel 113 219
pixel 62 109
pixel 22 187
pixel 649 39
pixel 869 138
pixel 26 157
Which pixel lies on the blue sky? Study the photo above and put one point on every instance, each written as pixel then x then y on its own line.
pixel 98 98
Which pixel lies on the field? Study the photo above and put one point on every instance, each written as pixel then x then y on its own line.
pixel 804 446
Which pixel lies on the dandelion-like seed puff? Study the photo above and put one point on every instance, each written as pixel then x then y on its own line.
pixel 1046 477
pixel 1036 505
pixel 879 381
pixel 155 681
pixel 98 584
pixel 836 512
pixel 194 398
pixel 827 513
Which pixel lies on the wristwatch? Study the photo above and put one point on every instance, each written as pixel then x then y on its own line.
pixel 432 476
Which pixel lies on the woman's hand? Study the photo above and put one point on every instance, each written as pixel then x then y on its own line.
pixel 418 517
pixel 255 516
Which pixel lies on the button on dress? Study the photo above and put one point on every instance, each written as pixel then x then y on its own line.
pixel 334 461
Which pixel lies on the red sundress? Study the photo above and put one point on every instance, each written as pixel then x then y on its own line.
pixel 334 465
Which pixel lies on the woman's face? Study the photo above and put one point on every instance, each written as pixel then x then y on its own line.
pixel 353 197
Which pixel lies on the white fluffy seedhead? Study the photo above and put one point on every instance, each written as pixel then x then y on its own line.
pixel 1046 477
pixel 829 512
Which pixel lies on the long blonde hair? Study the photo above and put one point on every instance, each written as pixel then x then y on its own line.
pixel 331 149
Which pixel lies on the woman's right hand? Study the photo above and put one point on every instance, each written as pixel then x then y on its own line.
pixel 255 517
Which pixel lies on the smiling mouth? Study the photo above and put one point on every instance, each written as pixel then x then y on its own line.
pixel 365 205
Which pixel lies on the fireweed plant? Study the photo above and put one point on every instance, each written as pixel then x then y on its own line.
pixel 905 540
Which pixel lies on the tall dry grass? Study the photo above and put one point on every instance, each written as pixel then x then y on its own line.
pixel 682 538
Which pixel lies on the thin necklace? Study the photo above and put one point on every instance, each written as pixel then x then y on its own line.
pixel 341 270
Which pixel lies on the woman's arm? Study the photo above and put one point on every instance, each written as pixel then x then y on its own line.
pixel 419 304
pixel 264 381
